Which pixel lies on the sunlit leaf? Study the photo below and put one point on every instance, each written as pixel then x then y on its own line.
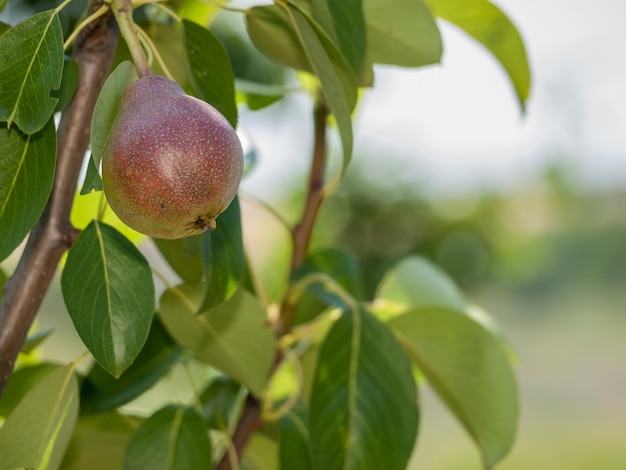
pixel 19 384
pixel 401 32
pixel 26 175
pixel 223 256
pixel 468 369
pixel 210 72
pixel 261 453
pixel 168 40
pixel 490 26
pixel 363 409
pixel 233 337
pixel 198 11
pixel 99 442
pixel 100 391
pixel 31 66
pixel 173 438
pixel 36 433
pixel 87 207
pixel 184 255
pixel 104 115
pixel 415 282
pixel 109 293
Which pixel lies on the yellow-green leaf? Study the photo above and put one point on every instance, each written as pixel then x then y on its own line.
pixel 37 432
pixel 490 26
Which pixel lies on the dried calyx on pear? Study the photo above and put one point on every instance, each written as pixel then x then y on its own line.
pixel 172 162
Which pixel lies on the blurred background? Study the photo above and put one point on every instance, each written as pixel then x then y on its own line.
pixel 526 211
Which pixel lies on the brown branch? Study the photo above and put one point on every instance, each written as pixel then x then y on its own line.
pixel 302 232
pixel 54 234
pixel 250 420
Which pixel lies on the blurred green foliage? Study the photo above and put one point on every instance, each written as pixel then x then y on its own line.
pixel 536 240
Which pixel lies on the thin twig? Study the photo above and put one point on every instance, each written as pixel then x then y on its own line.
pixel 251 418
pixel 54 234
pixel 249 423
pixel 303 231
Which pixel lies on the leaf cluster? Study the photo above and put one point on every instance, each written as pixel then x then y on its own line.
pixel 338 386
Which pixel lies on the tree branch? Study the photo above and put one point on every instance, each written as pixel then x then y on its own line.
pixel 250 420
pixel 53 234
pixel 302 232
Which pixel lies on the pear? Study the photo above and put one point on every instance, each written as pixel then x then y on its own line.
pixel 172 162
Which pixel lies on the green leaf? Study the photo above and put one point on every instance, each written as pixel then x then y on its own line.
pixel 233 337
pixel 415 282
pixel 104 115
pixel 100 391
pixel 36 433
pixel 184 256
pixel 222 253
pixel 168 40
pixel 34 340
pixel 109 293
pixel 469 371
pixel 344 22
pixel 295 440
pixel 486 23
pixel 20 382
pixel 220 402
pixel 173 438
pixel 292 38
pixel 3 3
pixel 26 177
pixel 363 407
pixel 3 280
pixel 209 69
pixel 401 32
pixel 261 453
pixel 336 78
pixel 3 26
pixel 339 265
pixel 256 102
pixel 93 181
pixel 273 33
pixel 99 442
pixel 198 11
pixel 69 82
pixel 31 66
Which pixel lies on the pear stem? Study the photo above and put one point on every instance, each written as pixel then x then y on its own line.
pixel 123 11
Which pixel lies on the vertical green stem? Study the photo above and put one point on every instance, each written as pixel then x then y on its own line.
pixel 123 11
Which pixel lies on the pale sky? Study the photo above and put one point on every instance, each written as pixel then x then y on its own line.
pixel 460 121
pixel 456 127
